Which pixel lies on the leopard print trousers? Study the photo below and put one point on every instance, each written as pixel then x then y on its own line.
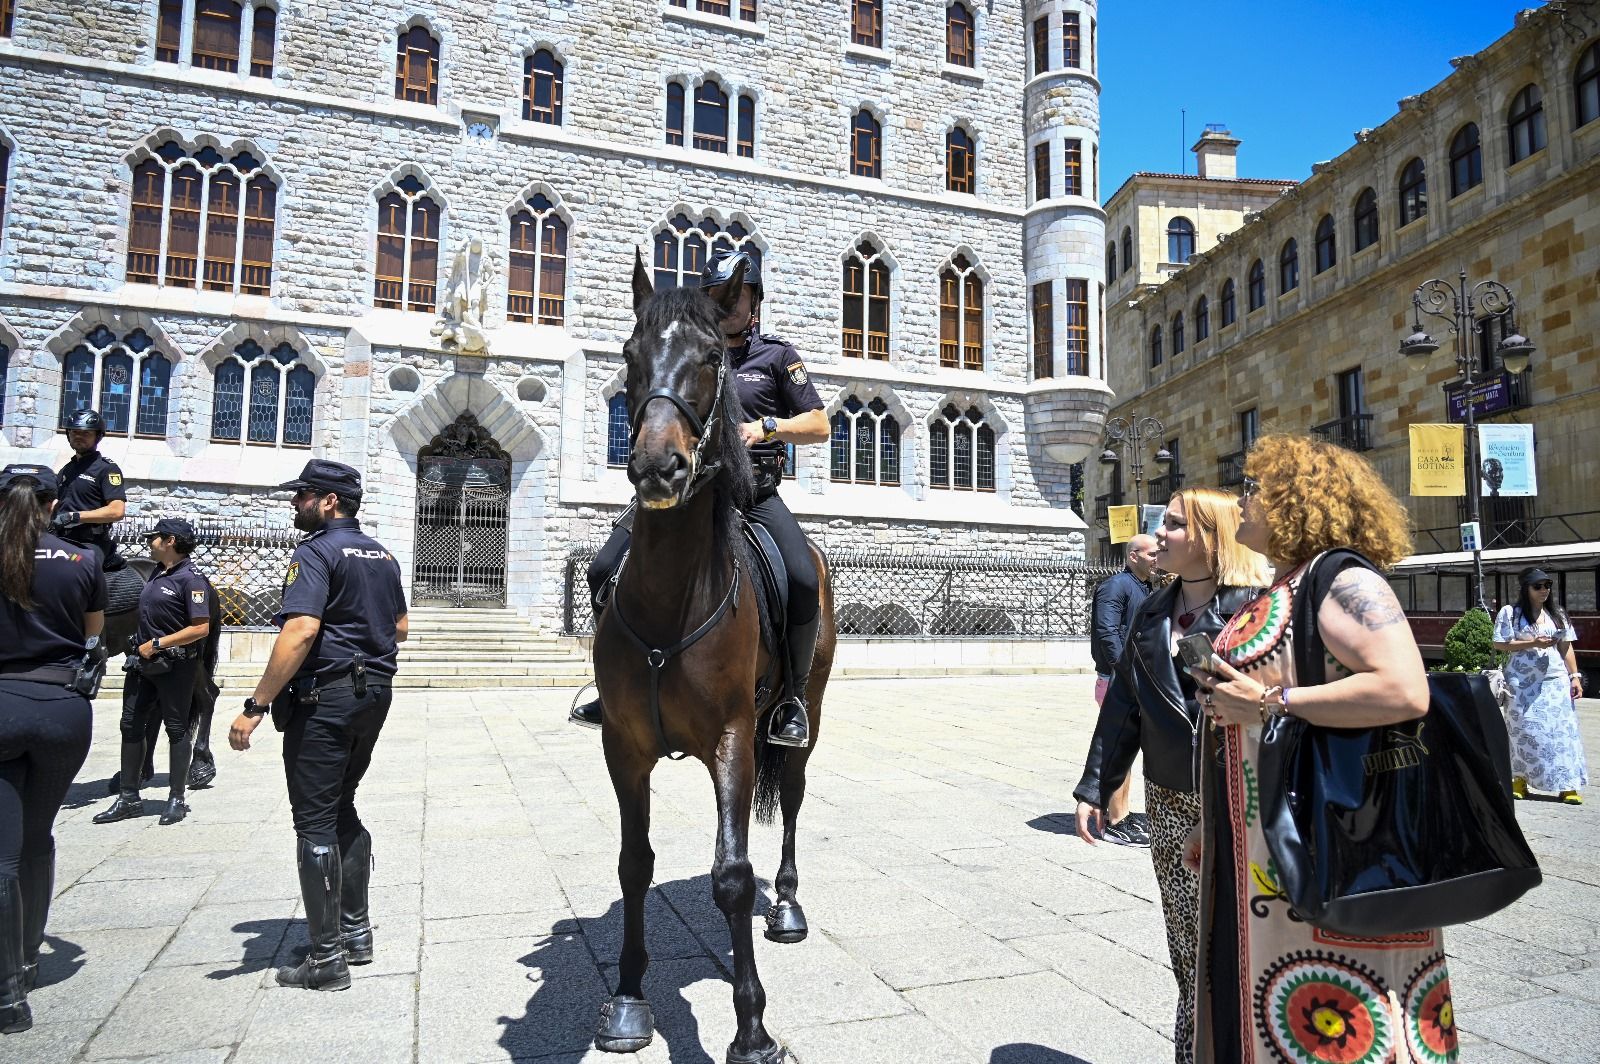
pixel 1173 814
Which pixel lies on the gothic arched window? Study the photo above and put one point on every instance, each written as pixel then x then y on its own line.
pixel 865 445
pixel 683 247
pixel 960 315
pixel 960 450
pixel 536 286
pixel 171 189
pixel 127 380
pixel 263 397
pixel 960 35
pixel 866 145
pixel 866 302
pixel 960 161
pixel 407 272
pixel 416 66
pixel 542 87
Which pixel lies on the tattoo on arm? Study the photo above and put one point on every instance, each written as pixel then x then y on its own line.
pixel 1374 607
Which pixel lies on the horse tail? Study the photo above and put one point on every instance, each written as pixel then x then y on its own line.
pixel 208 656
pixel 770 759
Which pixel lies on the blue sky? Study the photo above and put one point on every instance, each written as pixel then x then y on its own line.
pixel 1293 79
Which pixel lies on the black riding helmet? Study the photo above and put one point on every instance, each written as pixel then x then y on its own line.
pixel 87 419
pixel 722 265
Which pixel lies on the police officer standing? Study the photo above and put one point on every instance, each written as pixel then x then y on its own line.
pixel 93 497
pixel 52 603
pixel 776 392
pixel 174 621
pixel 328 686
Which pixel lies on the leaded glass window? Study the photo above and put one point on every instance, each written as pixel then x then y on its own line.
pixel 126 379
pixel 619 431
pixel 265 397
pixel 865 444
pixel 961 452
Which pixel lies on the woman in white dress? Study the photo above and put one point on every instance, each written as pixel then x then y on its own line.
pixel 1546 749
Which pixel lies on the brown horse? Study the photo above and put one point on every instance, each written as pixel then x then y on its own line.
pixel 680 650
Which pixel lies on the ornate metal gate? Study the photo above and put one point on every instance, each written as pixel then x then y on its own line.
pixel 463 513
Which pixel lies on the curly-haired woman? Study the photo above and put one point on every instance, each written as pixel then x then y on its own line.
pixel 1272 987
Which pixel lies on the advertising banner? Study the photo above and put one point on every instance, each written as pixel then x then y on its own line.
pixel 1123 522
pixel 1505 461
pixel 1152 519
pixel 1438 465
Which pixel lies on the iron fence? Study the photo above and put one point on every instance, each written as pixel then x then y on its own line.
pixel 931 595
pixel 245 561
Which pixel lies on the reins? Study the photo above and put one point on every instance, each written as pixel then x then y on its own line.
pixel 699 472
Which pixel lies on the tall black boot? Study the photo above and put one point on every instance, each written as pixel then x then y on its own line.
pixel 588 714
pixel 177 780
pixel 355 922
pixel 14 1012
pixel 38 882
pixel 128 803
pixel 790 724
pixel 324 967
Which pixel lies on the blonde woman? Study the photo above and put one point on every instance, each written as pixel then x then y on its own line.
pixel 1150 706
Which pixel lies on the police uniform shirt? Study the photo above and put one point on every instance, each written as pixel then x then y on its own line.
pixel 174 599
pixel 772 382
pixel 347 579
pixel 88 483
pixel 67 583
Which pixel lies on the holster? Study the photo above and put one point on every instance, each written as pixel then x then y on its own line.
pixel 769 470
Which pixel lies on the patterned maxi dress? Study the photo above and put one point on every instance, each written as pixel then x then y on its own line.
pixel 1546 749
pixel 1271 988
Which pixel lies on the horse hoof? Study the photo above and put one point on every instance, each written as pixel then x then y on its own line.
pixel 626 1025
pixel 775 1055
pixel 786 922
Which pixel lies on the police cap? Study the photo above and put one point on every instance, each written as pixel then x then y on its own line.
pixel 322 476
pixel 48 485
pixel 175 527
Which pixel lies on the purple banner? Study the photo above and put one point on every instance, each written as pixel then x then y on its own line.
pixel 1488 397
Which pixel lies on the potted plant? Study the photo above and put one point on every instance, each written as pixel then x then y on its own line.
pixel 1469 647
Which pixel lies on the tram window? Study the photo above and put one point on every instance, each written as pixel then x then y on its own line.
pixel 1452 594
pixel 1579 593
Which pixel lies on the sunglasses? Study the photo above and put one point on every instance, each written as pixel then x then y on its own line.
pixel 1542 586
pixel 1250 489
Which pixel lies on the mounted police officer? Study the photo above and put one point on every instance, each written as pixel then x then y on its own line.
pixel 52 605
pixel 328 687
pixel 776 392
pixel 162 668
pixel 93 497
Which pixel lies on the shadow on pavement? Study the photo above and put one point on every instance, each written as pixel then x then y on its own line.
pixel 664 982
pixel 260 948
pixel 1056 823
pixel 1029 1053
pixel 61 962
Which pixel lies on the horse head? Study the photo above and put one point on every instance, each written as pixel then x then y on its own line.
pixel 683 408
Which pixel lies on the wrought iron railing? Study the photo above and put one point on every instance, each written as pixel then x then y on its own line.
pixel 1103 504
pixel 1534 530
pixel 245 561
pixel 1354 432
pixel 1230 470
pixel 1159 489
pixel 928 595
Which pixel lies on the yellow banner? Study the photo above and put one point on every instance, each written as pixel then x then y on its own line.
pixel 1124 522
pixel 1438 460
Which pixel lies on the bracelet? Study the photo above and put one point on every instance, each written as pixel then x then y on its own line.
pixel 1282 709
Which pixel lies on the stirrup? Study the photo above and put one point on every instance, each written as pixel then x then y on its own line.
pixel 778 717
pixel 572 710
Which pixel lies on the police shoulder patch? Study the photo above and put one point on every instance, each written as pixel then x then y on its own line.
pixel 115 479
pixel 292 575
pixel 198 596
pixel 797 373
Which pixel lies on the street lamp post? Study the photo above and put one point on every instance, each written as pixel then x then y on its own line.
pixel 1468 311
pixel 1134 433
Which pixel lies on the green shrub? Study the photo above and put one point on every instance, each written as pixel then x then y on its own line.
pixel 1469 645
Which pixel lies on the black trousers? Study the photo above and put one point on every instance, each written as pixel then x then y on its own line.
pixel 168 697
pixel 771 514
pixel 327 749
pixel 44 738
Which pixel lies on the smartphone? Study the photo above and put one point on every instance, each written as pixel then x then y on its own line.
pixel 1197 652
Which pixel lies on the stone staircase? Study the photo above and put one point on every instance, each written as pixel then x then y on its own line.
pixel 448 648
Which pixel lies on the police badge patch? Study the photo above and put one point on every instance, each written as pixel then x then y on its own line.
pixel 198 597
pixel 797 373
pixel 293 574
pixel 114 479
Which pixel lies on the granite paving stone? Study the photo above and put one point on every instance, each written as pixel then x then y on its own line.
pixel 955 918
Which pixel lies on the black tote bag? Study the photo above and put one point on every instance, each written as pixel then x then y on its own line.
pixel 1380 831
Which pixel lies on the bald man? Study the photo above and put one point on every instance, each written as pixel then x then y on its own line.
pixel 1115 601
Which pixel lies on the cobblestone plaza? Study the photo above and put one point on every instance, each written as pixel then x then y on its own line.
pixel 954 918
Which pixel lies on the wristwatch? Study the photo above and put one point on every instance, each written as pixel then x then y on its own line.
pixel 769 428
pixel 252 709
pixel 155 643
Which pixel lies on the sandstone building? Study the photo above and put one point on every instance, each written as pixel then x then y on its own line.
pixel 1291 319
pixel 228 225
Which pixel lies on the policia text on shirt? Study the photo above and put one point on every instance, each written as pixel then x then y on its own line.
pixel 328 686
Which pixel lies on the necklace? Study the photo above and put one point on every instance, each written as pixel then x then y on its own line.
pixel 1186 618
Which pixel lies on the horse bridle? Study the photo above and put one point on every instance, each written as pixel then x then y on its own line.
pixel 699 472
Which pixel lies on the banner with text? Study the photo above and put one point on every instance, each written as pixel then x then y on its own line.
pixel 1505 457
pixel 1123 522
pixel 1438 460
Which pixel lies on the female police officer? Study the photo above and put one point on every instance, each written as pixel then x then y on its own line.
pixel 52 602
pixel 776 391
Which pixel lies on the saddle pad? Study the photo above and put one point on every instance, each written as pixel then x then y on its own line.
pixel 122 589
pixel 772 573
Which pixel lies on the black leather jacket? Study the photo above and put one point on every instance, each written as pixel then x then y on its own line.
pixel 1145 708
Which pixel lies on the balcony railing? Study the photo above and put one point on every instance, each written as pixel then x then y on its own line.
pixel 1354 433
pixel 1103 502
pixel 1160 489
pixel 1230 470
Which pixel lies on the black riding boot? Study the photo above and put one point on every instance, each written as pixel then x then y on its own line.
pixel 324 967
pixel 38 881
pixel 14 1013
pixel 790 725
pixel 128 803
pixel 203 767
pixel 588 714
pixel 177 780
pixel 152 736
pixel 355 923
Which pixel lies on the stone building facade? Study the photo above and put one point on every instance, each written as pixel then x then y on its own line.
pixel 1506 151
pixel 231 224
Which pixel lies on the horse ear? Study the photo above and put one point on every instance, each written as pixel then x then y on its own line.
pixel 726 294
pixel 642 289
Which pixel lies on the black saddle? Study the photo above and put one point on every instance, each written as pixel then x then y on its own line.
pixel 122 589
